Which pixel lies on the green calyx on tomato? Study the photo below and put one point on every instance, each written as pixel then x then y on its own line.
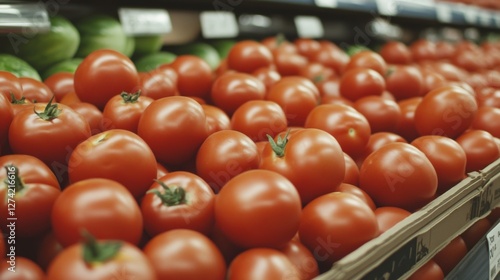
pixel 18 183
pixel 280 39
pixel 278 145
pixel 130 97
pixel 98 252
pixel 14 100
pixel 51 111
pixel 170 196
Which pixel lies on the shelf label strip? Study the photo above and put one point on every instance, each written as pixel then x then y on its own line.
pixel 144 21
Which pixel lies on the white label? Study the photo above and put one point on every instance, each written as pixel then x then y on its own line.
pixel 485 18
pixel 444 13
pixel 496 17
pixel 144 21
pixel 218 24
pixel 309 27
pixel 470 14
pixel 494 251
pixel 387 7
pixel 326 3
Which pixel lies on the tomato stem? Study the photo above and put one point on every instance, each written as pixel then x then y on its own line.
pixel 14 100
pixel 51 111
pixel 97 252
pixel 170 196
pixel 317 79
pixel 280 39
pixel 13 178
pixel 278 146
pixel 130 97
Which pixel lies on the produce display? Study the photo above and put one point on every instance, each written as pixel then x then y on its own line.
pixel 248 159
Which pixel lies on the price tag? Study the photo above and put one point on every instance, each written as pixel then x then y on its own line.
pixel 144 21
pixel 494 251
pixel 326 3
pixel 444 13
pixel 24 18
pixel 485 18
pixel 387 7
pixel 218 24
pixel 470 14
pixel 309 27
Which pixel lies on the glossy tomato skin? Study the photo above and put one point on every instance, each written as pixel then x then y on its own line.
pixel 195 76
pixel 307 47
pixel 400 175
pixel 123 111
pixel 423 50
pixel 104 74
pixel 24 269
pixel 302 259
pixel 262 263
pixel 431 80
pixel 451 254
pixel 195 211
pixel 351 171
pixel 394 52
pixel 316 72
pixel 382 114
pixel 406 126
pixel 349 127
pixel 476 232
pixel 92 114
pixel 224 155
pixel 335 224
pixel 367 59
pixel 190 255
pixel 446 111
pixel 356 191
pixel 289 64
pixel 388 216
pixel 103 207
pixel 258 208
pixel 311 159
pixel 486 119
pixel 361 82
pixel 447 156
pixel 217 119
pixel 174 127
pixel 60 84
pixel 35 91
pixel 247 56
pixel 47 250
pixel 9 83
pixel 232 89
pixel 129 262
pixel 480 149
pixel 6 116
pixel 428 271
pixel 70 98
pixel 404 82
pixel 376 141
pixel 331 56
pixel 267 75
pixel 156 84
pixel 128 158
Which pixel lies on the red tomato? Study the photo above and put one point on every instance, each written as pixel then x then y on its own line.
pixel 349 127
pixel 160 170
pixel 449 71
pixel 307 47
pixel 446 111
pixel 487 119
pixel 247 56
pixel 104 74
pixel 476 232
pixel 217 119
pixel 289 64
pixel 259 118
pixel 447 157
pixel 431 80
pixel 92 114
pixel 60 84
pixel 406 126
pixel 178 200
pixel 351 171
pixel 387 217
pixel 376 141
pixel 382 114
pixel 494 216
pixel 225 154
pixel 70 98
pixel 174 128
pixel 302 259
pixel 35 91
pixel 360 82
pixel 232 89
pixel 262 263
pixel 23 268
pixel 267 76
pixel 400 175
pixel 20 104
pixel 228 249
pixel 469 60
pixel 316 72
pixel 128 159
pixel 189 254
pixel 429 271
pixel 334 225
pixel 480 148
pixel 445 50
pixel 395 52
pixel 6 116
pixel 359 193
pixel 331 56
pixel 157 83
pixel 10 84
pixel 488 96
pixel 310 158
pixel 329 88
pixel 451 254
pixel 258 208
pixel 103 207
pixel 279 44
pixel 195 76
pixel 123 111
pixel 48 249
pixel 423 50
pixel 367 59
pixel 100 260
pixel 404 82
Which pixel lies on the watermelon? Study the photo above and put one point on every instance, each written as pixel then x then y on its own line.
pixel 203 51
pixel 129 47
pixel 223 47
pixel 145 45
pixel 68 65
pixel 152 61
pixel 18 67
pixel 101 32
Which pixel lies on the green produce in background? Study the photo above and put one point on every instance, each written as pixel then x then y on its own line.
pixel 129 47
pixel 46 49
pixel 203 51
pixel 223 47
pixel 354 49
pixel 68 65
pixel 101 32
pixel 152 61
pixel 145 45
pixel 18 67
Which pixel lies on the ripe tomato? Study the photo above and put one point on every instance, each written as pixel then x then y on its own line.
pixel 123 111
pixel 359 193
pixel 480 149
pixel 486 119
pixel 476 232
pixel 103 207
pixel 334 225
pixel 406 126
pixel 310 158
pixel 258 118
pixel 23 268
pixel 10 84
pixel 262 263
pixel 349 127
pixel 47 250
pixel 404 82
pixel 329 88
pixel 289 64
pixel 232 89
pixel 451 254
pixel 60 84
pixel 174 128
pixel 156 84
pixel 100 260
pixel 179 199
pixel 195 76
pixel 367 59
pixel 394 52
pixel 35 91
pixel 29 188
pixel 431 80
pixel 104 74
pixel 225 154
pixel 6 116
pixel 445 50
pixel 387 217
pixel 70 98
pixel 92 115
pixel 302 259
pixel 267 75
pixel 228 249
pixel 423 50
pixel 400 175
pixel 128 159
pixel 351 171
pixel 297 96
pixel 469 60
pixel 49 132
pixel 447 157
pixel 217 119
pixel 488 96
pixel 446 111
pixel 449 71
pixel 20 104
pixel 331 56
pixel 376 141
pixel 258 208
pixel 382 114
pixel 307 47
pixel 361 82
pixel 247 56
pixel 429 271
pixel 316 72
pixel 189 254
